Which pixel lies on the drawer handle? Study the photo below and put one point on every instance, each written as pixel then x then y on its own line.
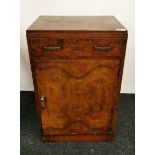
pixel 52 48
pixel 43 102
pixel 102 48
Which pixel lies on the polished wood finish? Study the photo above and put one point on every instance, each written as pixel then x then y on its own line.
pixel 75 47
pixel 77 23
pixel 77 65
pixel 80 95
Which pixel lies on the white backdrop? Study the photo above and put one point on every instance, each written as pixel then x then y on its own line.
pixel 123 10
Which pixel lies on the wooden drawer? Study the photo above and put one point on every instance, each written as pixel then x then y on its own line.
pixel 47 47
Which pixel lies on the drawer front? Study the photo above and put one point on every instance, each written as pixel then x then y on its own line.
pixel 46 47
pixel 77 96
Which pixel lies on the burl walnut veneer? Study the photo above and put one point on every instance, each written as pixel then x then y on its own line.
pixel 77 65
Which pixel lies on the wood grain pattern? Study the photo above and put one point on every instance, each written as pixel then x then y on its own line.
pixel 80 95
pixel 80 85
pixel 75 47
pixel 77 23
pixel 75 34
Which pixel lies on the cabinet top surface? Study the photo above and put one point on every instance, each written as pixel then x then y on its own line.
pixel 76 23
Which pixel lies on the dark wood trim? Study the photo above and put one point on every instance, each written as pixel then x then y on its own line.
pixel 77 138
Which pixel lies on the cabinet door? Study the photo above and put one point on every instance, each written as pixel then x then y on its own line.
pixel 77 96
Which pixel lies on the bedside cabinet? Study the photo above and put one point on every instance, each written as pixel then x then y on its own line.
pixel 77 65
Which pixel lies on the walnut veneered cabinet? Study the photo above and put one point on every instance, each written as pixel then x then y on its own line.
pixel 77 65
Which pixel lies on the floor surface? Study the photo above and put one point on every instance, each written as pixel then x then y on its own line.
pixel 123 144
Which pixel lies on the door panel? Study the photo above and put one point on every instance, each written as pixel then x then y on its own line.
pixel 79 94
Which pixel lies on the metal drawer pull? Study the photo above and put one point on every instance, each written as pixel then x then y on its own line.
pixel 52 48
pixel 102 48
pixel 43 102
